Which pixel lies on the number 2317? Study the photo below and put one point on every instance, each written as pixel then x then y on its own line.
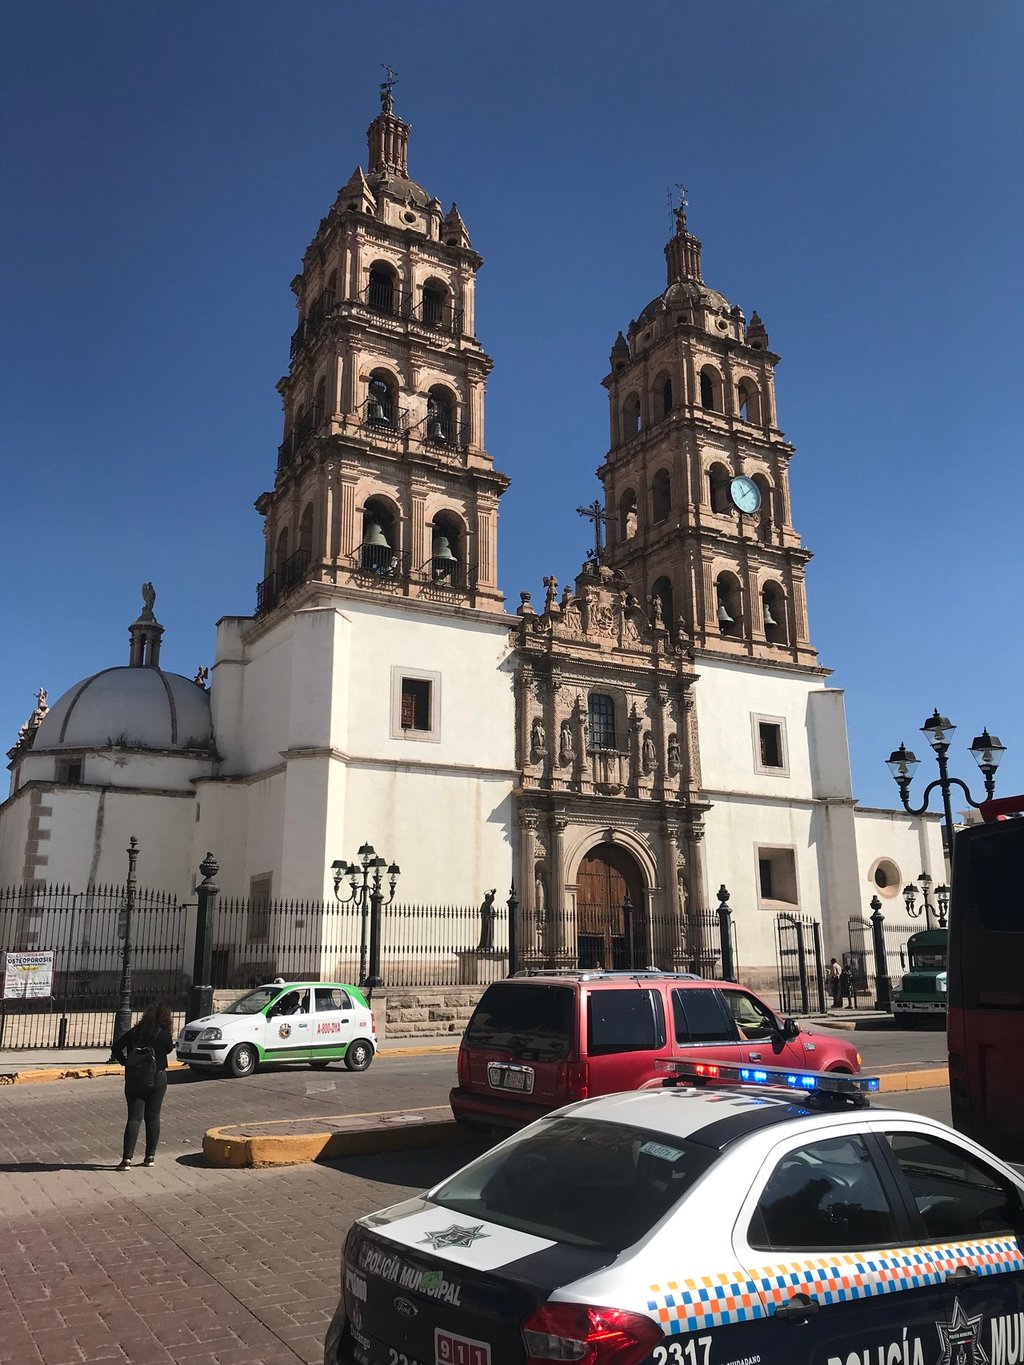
pixel 693 1353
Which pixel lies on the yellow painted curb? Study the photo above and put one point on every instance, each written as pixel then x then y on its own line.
pixel 71 1073
pixel 928 1078
pixel 228 1146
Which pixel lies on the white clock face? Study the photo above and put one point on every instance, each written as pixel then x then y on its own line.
pixel 745 494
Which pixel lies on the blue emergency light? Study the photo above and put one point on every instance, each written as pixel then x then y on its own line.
pixel 822 1083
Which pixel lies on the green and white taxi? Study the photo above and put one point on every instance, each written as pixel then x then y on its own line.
pixel 316 1022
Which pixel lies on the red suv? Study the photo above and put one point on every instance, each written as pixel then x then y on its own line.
pixel 535 1042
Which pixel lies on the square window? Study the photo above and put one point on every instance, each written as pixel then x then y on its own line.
pixel 771 757
pixel 415 704
pixel 776 872
pixel 69 772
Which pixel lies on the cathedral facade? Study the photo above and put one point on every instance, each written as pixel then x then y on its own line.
pixel 660 727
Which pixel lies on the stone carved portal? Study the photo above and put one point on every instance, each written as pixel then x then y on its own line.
pixel 603 937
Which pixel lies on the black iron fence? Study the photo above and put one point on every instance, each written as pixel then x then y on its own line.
pixel 85 932
pixel 800 964
pixel 862 959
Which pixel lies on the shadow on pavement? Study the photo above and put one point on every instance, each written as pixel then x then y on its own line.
pixel 423 1169
pixel 33 1167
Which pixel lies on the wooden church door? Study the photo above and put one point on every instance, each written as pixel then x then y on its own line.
pixel 603 936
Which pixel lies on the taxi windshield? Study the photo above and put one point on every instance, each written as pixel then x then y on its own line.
pixel 574 1180
pixel 253 1001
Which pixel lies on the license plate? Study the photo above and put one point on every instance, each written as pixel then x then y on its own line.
pixel 510 1078
pixel 451 1349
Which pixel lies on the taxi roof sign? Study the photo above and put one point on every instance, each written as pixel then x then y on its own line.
pixel 824 1084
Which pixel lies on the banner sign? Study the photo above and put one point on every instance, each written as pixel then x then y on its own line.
pixel 28 976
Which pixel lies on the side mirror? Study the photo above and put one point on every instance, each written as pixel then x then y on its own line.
pixel 790 1029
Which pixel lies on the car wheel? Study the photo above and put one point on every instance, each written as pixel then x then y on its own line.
pixel 321 1063
pixel 243 1060
pixel 358 1055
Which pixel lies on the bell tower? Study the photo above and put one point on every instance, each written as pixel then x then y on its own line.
pixel 696 478
pixel 383 482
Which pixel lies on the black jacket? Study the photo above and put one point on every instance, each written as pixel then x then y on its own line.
pixel 160 1041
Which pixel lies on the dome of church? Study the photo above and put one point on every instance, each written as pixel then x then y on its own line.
pixel 400 187
pixel 138 708
pixel 684 294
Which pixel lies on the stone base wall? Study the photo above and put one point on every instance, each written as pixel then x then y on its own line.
pixel 424 1011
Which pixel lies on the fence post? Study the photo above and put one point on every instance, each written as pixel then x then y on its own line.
pixel 725 934
pixel 819 972
pixel 883 991
pixel 513 930
pixel 373 977
pixel 200 996
pixel 123 1015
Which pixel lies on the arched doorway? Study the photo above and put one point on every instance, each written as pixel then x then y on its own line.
pixel 607 935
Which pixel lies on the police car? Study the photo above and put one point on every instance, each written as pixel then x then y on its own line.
pixel 781 1220
pixel 286 1021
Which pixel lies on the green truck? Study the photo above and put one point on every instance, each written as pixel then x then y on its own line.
pixel 921 993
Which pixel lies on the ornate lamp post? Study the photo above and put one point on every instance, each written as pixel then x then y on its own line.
pixel 938 730
pixel 365 891
pixel 123 1015
pixel 936 909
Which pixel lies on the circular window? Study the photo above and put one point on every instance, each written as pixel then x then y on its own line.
pixel 409 217
pixel 886 878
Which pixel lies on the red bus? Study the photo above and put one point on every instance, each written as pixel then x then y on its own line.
pixel 985 1022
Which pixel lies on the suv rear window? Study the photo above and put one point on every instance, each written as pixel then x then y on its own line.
pixel 578 1181
pixel 532 1022
pixel 629 1020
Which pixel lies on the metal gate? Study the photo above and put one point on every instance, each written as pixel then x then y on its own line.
pixel 894 936
pixel 85 931
pixel 801 970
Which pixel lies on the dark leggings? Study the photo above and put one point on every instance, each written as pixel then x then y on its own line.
pixel 144 1104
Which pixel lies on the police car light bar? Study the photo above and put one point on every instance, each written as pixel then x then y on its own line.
pixel 808 1082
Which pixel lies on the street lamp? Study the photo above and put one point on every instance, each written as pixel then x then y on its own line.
pixel 937 908
pixel 938 730
pixel 365 892
pixel 123 1015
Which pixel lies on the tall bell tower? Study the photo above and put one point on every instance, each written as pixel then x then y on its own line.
pixel 696 478
pixel 383 481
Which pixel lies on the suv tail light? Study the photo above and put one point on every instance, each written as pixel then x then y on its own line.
pixel 586 1335
pixel 464 1069
pixel 574 1080
pixel 373 1024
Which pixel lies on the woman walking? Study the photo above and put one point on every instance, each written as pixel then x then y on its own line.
pixel 142 1051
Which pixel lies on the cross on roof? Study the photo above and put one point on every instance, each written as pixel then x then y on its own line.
pixel 595 513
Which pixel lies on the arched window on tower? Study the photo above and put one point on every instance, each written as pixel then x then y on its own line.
pixel 661 495
pixel 382 292
pixel 447 552
pixel 378 548
pixel 662 397
pixel 631 417
pixel 306 532
pixel 627 515
pixel 710 389
pixel 748 401
pixel 380 401
pixel 440 416
pixel 773 606
pixel 281 552
pixel 718 488
pixel 662 591
pixel 601 718
pixel 434 309
pixel 730 604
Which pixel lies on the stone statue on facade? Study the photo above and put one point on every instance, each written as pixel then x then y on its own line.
pixel 673 753
pixel 538 739
pixel 148 601
pixel 649 756
pixel 202 676
pixel 657 614
pixel 566 749
pixel 27 732
pixel 487 917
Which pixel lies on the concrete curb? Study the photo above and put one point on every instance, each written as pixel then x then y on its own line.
pixel 326 1139
pixel 72 1073
pixel 927 1078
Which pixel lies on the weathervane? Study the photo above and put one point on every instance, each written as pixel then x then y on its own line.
pixel 387 86
pixel 679 210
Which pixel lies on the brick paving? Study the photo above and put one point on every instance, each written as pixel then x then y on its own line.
pixel 183 1263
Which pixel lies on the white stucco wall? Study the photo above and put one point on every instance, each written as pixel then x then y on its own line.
pixel 911 843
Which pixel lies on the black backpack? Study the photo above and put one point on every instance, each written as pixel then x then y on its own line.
pixel 140 1067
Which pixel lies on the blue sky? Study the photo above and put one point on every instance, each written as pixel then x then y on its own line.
pixel 854 172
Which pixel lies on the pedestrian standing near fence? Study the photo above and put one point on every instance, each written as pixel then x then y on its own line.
pixel 834 977
pixel 142 1051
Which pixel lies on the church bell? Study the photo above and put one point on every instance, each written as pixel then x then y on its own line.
pixel 724 619
pixel 373 535
pixel 436 431
pixel 769 619
pixel 375 413
pixel 444 560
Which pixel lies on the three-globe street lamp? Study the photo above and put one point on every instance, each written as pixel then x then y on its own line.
pixel 365 879
pixel 938 730
pixel 937 908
